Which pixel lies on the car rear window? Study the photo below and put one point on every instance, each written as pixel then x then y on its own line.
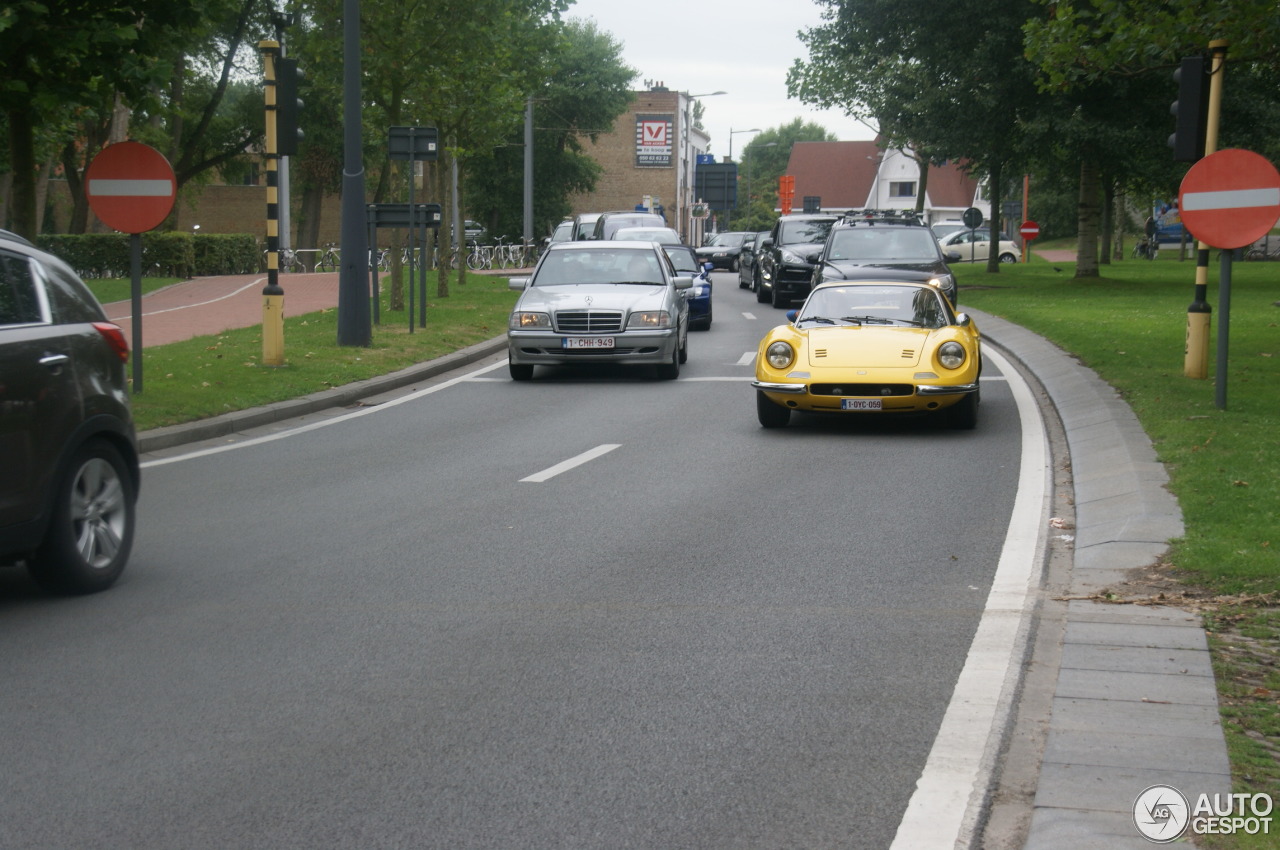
pixel 909 244
pixel 19 299
pixel 795 232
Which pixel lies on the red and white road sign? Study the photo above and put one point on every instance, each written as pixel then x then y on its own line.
pixel 1029 230
pixel 1230 198
pixel 131 187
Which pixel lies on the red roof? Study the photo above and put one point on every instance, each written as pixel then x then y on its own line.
pixel 841 173
pixel 951 186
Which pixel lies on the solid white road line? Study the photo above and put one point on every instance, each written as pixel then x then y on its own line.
pixel 325 423
pixel 951 791
pixel 566 465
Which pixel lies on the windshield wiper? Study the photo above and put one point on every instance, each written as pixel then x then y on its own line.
pixel 822 319
pixel 870 320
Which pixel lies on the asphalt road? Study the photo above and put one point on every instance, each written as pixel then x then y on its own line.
pixel 412 627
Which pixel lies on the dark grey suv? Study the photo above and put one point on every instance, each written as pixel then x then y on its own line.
pixel 68 454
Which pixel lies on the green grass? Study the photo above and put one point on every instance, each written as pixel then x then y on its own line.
pixel 211 375
pixel 1130 326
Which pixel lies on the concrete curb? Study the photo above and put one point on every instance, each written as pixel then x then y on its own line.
pixel 1135 703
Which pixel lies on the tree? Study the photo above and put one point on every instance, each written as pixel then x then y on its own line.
pixel 587 87
pixel 61 56
pixel 944 80
pixel 1109 64
pixel 764 159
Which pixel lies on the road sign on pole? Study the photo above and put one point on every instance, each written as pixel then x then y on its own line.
pixel 131 187
pixel 1230 198
pixel 1029 230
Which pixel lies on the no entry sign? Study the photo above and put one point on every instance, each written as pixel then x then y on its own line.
pixel 131 187
pixel 1029 230
pixel 1230 198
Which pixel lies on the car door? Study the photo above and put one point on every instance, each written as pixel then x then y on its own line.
pixel 972 245
pixel 39 397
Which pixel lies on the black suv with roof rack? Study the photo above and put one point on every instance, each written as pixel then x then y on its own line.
pixel 874 243
pixel 787 256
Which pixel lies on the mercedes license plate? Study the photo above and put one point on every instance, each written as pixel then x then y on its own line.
pixel 588 342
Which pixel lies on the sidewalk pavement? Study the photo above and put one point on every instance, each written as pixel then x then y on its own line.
pixel 1133 701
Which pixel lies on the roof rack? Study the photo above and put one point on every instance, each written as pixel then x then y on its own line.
pixel 884 216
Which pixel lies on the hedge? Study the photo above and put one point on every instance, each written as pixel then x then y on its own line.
pixel 181 255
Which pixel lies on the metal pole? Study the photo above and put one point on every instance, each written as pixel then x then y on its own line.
pixel 413 151
pixel 1196 359
pixel 1224 316
pixel 272 293
pixel 353 290
pixel 135 280
pixel 373 268
pixel 528 171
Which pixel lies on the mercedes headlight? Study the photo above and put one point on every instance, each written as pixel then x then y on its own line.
pixel 951 354
pixel 649 320
pixel 528 321
pixel 779 355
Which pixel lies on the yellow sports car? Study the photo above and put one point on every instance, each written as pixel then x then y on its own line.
pixel 889 344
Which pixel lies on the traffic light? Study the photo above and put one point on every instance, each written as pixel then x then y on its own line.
pixel 288 105
pixel 1191 109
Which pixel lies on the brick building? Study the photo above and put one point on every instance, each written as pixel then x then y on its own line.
pixel 649 157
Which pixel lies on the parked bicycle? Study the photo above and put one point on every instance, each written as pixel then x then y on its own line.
pixel 1264 249
pixel 330 258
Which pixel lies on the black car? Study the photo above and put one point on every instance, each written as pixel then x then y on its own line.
pixel 69 472
pixel 867 242
pixel 748 262
pixel 722 249
pixel 787 256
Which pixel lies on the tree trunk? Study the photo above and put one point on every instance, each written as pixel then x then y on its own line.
pixel 1088 213
pixel 995 194
pixel 310 211
pixel 440 169
pixel 1108 222
pixel 456 195
pixel 923 188
pixel 22 158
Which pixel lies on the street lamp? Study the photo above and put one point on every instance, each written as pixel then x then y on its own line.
pixel 732 133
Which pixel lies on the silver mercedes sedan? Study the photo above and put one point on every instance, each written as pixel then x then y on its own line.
pixel 600 302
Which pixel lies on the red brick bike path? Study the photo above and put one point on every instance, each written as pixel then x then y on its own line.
pixel 211 305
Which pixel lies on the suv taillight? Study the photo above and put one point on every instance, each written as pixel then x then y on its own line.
pixel 115 338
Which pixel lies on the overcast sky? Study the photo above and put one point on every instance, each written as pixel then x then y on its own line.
pixel 702 46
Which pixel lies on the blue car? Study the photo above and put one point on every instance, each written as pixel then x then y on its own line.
pixel 685 259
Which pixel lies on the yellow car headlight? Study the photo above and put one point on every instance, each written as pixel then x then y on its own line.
pixel 779 354
pixel 523 321
pixel 951 354
pixel 650 319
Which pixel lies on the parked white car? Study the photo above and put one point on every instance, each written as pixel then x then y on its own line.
pixel 974 246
